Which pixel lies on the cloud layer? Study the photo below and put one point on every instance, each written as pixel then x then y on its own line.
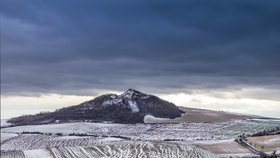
pixel 81 47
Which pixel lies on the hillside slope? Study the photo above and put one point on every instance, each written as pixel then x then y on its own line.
pixel 130 107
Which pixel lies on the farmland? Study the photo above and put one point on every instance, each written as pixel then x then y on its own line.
pixel 84 139
pixel 181 131
pixel 225 148
pixel 269 143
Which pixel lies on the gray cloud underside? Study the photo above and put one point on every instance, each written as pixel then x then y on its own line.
pixel 77 47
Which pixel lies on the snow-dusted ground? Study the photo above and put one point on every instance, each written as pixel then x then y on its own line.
pixel 5 136
pixel 4 123
pixel 118 100
pixel 147 139
pixel 134 149
pixel 39 153
pixel 182 131
pixel 37 141
pixel 152 119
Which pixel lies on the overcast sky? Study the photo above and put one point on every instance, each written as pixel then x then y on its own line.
pixel 85 48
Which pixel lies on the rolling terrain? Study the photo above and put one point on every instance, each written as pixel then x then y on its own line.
pixel 163 130
pixel 84 139
pixel 130 107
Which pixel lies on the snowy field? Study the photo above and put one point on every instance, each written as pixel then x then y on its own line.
pixel 125 140
pixel 127 149
pixel 37 141
pixel 5 136
pixel 182 131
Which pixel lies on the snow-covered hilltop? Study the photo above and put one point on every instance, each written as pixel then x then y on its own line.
pixel 125 100
pixel 130 107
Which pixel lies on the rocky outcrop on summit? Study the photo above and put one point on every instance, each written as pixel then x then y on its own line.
pixel 130 107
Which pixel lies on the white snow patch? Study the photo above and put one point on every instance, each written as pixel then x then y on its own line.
pixel 108 102
pixel 4 123
pixel 128 94
pixel 5 136
pixel 109 139
pixel 38 153
pixel 145 97
pixel 152 119
pixel 114 96
pixel 114 99
pixel 133 106
pixel 68 137
pixel 265 120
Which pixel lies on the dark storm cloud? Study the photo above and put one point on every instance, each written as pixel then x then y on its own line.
pixel 78 47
